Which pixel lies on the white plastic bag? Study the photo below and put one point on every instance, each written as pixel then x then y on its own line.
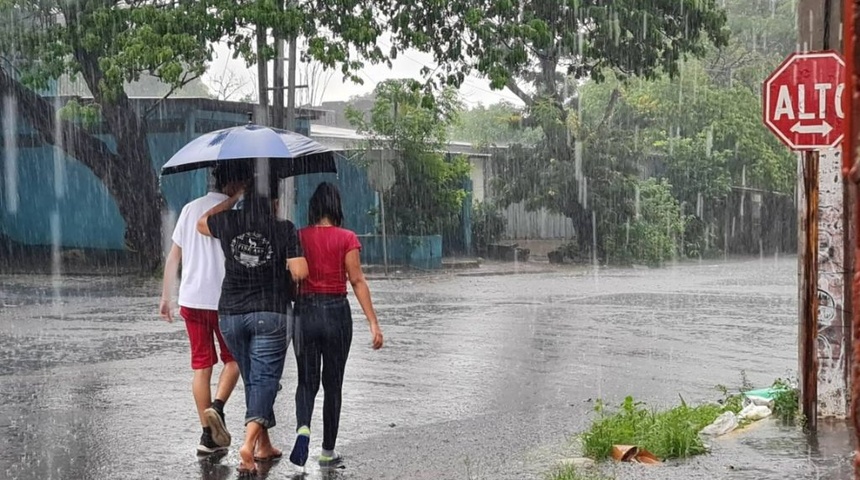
pixel 724 424
pixel 755 400
pixel 754 412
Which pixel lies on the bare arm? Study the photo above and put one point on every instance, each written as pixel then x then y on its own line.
pixel 362 293
pixel 298 268
pixel 203 223
pixel 171 271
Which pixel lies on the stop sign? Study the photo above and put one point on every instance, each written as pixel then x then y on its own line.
pixel 803 100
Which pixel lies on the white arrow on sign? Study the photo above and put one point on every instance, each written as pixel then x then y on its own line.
pixel 822 129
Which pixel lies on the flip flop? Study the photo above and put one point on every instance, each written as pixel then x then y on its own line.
pixel 273 458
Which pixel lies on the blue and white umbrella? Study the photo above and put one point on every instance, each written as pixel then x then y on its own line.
pixel 290 153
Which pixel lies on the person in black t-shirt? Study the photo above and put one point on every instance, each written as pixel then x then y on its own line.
pixel 263 257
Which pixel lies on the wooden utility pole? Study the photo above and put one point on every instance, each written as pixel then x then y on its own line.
pixel 808 311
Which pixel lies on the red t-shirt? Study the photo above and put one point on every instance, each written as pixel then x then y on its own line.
pixel 325 250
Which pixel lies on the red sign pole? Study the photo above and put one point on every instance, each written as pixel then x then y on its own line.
pixel 851 102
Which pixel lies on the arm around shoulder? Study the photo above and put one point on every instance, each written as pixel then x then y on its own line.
pixel 203 222
pixel 298 268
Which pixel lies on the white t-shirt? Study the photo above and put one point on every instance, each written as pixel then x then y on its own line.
pixel 202 258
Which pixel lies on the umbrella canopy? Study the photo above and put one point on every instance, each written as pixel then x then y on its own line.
pixel 290 153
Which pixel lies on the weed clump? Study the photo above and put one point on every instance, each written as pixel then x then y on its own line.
pixel 786 401
pixel 672 433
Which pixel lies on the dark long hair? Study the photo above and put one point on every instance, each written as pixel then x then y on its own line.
pixel 325 203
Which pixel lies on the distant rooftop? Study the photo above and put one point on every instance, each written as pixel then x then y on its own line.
pixel 340 139
pixel 200 103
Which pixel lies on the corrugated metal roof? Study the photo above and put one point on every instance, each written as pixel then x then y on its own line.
pixel 345 139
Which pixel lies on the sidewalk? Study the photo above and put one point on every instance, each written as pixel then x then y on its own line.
pixel 466 267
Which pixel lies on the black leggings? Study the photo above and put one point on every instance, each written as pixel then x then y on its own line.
pixel 323 335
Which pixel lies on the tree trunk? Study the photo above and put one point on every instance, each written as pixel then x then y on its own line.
pixel 128 175
pixel 581 219
pixel 139 200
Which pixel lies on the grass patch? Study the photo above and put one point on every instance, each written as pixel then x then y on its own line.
pixel 671 433
pixel 569 472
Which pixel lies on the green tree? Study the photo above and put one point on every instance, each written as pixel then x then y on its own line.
pixel 703 138
pixel 428 192
pixel 112 42
pixel 763 33
pixel 538 48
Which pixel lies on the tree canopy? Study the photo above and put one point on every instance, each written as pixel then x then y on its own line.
pixel 411 129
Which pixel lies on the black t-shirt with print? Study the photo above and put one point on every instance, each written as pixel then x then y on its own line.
pixel 256 249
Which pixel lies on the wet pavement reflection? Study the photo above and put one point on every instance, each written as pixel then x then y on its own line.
pixel 482 377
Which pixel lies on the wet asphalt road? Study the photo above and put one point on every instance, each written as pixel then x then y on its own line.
pixel 482 377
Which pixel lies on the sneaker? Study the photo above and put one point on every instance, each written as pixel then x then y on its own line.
pixel 299 454
pixel 207 445
pixel 333 460
pixel 219 430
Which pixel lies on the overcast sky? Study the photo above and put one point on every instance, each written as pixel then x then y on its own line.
pixel 408 65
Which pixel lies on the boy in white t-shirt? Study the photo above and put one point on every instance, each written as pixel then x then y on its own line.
pixel 199 291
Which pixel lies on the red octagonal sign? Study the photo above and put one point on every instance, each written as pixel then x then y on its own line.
pixel 803 100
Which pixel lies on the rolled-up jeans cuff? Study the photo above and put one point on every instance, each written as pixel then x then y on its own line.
pixel 267 424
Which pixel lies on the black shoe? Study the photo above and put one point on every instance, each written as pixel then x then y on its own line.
pixel 215 419
pixel 207 445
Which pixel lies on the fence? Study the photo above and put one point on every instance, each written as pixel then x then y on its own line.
pixel 540 224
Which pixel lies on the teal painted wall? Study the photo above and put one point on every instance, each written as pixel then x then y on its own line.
pixel 423 252
pixel 88 215
pixel 358 199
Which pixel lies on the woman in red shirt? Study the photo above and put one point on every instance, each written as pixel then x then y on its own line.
pixel 323 328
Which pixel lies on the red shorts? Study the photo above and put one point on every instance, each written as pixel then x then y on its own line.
pixel 201 326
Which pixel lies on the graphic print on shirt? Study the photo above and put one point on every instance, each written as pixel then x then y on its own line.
pixel 251 249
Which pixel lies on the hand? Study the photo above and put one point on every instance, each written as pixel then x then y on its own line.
pixel 376 333
pixel 166 310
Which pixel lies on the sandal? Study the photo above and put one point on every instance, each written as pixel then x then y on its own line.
pixel 272 458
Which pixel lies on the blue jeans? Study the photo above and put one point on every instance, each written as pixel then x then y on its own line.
pixel 258 342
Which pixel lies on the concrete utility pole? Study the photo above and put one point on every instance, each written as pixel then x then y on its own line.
pixel 824 248
pixel 291 89
pixel 278 84
pixel 262 112
pixel 278 74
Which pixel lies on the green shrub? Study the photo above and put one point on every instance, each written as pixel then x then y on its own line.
pixel 654 235
pixel 786 402
pixel 488 225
